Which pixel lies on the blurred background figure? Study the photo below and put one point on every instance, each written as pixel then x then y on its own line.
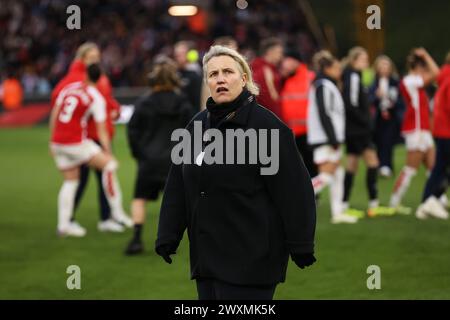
pixel 266 74
pixel 359 129
pixel 297 79
pixel 70 147
pixel 437 183
pixel 11 92
pixel 422 71
pixel 326 132
pixel 385 96
pixel 157 115
pixel 89 53
pixel 189 71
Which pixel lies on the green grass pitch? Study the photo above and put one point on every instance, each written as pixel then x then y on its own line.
pixel 414 256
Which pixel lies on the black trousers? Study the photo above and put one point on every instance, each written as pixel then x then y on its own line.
pixel 105 211
pixel 385 138
pixel 437 182
pixel 212 289
pixel 307 154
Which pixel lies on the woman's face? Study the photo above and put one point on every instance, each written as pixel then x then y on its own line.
pixel 384 68
pixel 224 79
pixel 361 62
pixel 334 71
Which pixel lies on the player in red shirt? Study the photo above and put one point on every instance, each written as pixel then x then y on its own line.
pixel 438 180
pixel 87 54
pixel 416 122
pixel 70 147
pixel 267 76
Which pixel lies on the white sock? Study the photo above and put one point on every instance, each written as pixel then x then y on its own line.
pixel 66 199
pixel 320 181
pixel 337 192
pixel 112 188
pixel 402 185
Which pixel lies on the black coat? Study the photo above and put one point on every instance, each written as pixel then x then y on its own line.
pixel 397 108
pixel 191 85
pixel 358 120
pixel 242 225
pixel 150 128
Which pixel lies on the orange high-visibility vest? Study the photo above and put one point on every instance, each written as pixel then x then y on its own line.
pixel 294 99
pixel 12 94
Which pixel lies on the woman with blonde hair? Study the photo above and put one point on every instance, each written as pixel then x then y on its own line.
pixel 384 96
pixel 242 221
pixel 358 128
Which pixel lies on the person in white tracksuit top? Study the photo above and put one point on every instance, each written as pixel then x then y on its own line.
pixel 326 132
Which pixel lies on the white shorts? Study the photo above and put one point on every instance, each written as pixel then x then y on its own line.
pixel 420 140
pixel 69 156
pixel 326 153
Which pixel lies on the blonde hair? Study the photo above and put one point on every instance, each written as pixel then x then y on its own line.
pixel 384 57
pixel 84 49
pixel 355 52
pixel 352 55
pixel 323 59
pixel 216 51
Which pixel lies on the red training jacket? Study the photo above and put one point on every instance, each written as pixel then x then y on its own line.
pixel 441 112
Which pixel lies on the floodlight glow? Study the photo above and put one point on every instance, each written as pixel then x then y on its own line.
pixel 183 10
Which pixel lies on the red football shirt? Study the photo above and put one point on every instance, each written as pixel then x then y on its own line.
pixel 76 103
pixel 417 114
pixel 77 72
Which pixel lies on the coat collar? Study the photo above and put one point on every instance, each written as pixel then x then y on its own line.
pixel 242 114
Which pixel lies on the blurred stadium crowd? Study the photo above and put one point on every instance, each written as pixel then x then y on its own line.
pixel 37 47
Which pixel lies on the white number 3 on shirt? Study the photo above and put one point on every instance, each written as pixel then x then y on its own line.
pixel 70 104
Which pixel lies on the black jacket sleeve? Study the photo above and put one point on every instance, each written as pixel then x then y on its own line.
pixel 172 219
pixel 325 120
pixel 373 99
pixel 134 131
pixel 355 113
pixel 293 194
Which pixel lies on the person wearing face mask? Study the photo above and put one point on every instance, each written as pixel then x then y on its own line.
pixel 242 224
pixel 385 97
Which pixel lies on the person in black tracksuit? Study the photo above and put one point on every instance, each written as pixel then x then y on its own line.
pixel 384 95
pixel 150 128
pixel 359 127
pixel 242 224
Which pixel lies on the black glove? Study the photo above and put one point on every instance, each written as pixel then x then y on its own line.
pixel 165 250
pixel 303 260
